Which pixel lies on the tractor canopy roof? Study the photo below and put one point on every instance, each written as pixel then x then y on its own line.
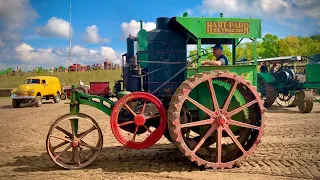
pixel 218 30
pixel 285 59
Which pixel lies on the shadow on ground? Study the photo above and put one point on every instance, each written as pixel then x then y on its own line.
pixel 24 105
pixel 158 158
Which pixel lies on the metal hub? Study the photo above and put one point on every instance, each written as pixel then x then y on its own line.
pixel 75 143
pixel 139 120
pixel 221 120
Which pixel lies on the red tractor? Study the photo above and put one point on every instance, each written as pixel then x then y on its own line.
pixel 77 67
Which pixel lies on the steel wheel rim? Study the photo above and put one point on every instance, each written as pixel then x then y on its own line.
pixel 62 163
pixel 219 121
pixel 154 135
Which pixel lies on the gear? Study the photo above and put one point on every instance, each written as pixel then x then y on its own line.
pixel 225 155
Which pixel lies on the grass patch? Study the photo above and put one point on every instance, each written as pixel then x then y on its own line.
pixel 66 78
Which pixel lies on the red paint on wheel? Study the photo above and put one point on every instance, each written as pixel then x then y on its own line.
pixel 139 120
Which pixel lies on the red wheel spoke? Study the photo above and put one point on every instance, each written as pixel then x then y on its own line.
pixel 241 124
pixel 62 138
pixel 241 108
pixel 234 139
pixel 64 131
pixel 218 144
pixel 65 149
pixel 197 123
pixel 59 145
pixel 213 96
pixel 147 129
pixel 204 109
pixel 135 133
pixel 130 110
pixel 87 145
pixel 126 123
pixel 143 107
pixel 227 102
pixel 141 116
pixel 209 132
pixel 81 135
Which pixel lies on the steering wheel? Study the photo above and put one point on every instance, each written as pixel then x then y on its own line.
pixel 204 51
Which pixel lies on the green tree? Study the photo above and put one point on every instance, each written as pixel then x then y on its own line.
pixel 271 46
pixel 289 46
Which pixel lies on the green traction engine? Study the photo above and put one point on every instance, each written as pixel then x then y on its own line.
pixel 213 114
pixel 291 81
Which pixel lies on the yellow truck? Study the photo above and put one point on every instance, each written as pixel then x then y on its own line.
pixel 36 88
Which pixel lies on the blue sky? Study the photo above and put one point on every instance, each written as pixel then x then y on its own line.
pixel 35 32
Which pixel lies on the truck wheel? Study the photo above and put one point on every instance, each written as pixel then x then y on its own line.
pixel 16 103
pixel 63 96
pixel 56 98
pixel 38 101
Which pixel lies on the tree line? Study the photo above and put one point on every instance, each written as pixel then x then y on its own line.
pixel 272 46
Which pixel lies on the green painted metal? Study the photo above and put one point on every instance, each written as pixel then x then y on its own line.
pixel 308 85
pixel 268 77
pixel 247 71
pixel 312 73
pixel 222 90
pixel 74 108
pixel 6 71
pixel 205 27
pixel 142 42
pixel 122 93
pixel 98 102
pixel 201 92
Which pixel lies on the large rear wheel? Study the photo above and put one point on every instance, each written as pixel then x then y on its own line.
pixel 219 140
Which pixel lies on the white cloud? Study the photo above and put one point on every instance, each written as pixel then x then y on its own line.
pixel 84 55
pixel 269 9
pixel 189 11
pixel 110 54
pixel 28 55
pixel 91 36
pixel 16 14
pixel 55 27
pixel 133 27
pixel 248 8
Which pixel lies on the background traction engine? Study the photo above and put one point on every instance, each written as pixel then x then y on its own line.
pixel 213 115
pixel 295 83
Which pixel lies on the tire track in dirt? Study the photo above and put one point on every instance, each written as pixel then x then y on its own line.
pixel 289 148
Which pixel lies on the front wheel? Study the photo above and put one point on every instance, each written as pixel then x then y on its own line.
pixel 38 101
pixel 305 101
pixel 74 141
pixel 56 98
pixel 63 96
pixel 16 103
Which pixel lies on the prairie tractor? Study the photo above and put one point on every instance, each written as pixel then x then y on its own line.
pixel 214 115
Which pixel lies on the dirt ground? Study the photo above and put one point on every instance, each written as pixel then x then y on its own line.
pixel 289 149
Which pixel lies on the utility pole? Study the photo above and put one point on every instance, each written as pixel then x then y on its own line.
pixel 70 37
